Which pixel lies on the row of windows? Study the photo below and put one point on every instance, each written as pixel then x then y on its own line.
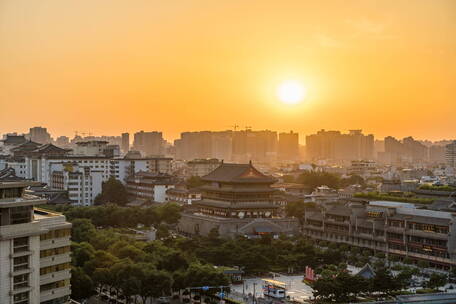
pixel 55 234
pixel 54 268
pixel 20 215
pixel 54 251
pixel 54 285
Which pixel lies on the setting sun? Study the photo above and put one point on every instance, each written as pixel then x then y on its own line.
pixel 291 92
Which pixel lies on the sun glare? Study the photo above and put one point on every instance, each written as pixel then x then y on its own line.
pixel 291 92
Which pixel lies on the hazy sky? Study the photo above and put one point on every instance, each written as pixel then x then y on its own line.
pixel 107 66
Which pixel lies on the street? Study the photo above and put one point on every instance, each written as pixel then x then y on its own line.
pixel 296 289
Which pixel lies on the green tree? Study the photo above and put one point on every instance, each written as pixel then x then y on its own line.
pixel 82 286
pixel 112 191
pixel 384 282
pixel 437 280
pixel 81 253
pixel 83 230
pixel 169 213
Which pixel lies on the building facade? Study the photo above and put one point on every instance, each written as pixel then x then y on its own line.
pixel 289 146
pixel 34 249
pixel 125 142
pixel 392 228
pixel 149 143
pixel 150 186
pixel 82 183
pixel 450 154
pixel 201 167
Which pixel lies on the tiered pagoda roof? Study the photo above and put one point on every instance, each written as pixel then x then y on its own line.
pixel 238 173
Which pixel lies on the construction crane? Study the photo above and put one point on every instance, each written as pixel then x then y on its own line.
pixel 235 126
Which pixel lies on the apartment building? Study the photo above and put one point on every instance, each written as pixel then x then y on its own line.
pixel 34 249
pixel 393 228
pixel 82 183
pixel 201 167
pixel 150 186
pixel 39 168
pixel 450 154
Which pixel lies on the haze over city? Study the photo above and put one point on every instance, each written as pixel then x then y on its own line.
pixel 227 151
pixel 175 66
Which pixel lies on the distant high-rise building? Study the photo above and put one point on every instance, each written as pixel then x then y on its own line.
pixel 39 135
pixel 450 154
pixel 437 154
pixel 260 146
pixel 289 146
pixel 125 142
pixel 407 150
pixel 62 141
pixel 149 143
pixel 334 145
pixel 203 145
pixel 238 146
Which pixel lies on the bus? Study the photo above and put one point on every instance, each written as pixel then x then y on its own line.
pixel 274 289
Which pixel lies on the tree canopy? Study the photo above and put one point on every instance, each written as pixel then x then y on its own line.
pixel 114 192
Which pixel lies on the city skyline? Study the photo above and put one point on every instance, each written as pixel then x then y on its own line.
pixel 159 66
pixel 302 136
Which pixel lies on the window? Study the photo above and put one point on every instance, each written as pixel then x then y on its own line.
pixel 20 263
pixel 20 215
pixel 54 285
pixel 54 268
pixel 54 251
pixel 20 244
pixel 21 281
pixel 21 298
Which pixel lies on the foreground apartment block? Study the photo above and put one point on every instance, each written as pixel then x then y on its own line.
pixel 34 249
pixel 390 227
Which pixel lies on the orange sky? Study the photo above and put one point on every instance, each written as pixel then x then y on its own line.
pixel 108 66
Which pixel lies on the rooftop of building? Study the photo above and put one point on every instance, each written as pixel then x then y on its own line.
pixel 8 174
pixel 204 161
pixel 14 140
pixel 237 173
pixel 237 205
pixel 92 142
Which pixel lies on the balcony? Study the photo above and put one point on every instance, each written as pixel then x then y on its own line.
pixel 427 234
pixel 55 243
pixel 55 260
pixel 19 272
pixel 55 276
pixel 55 293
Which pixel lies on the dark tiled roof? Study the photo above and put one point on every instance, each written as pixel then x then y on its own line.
pixel 219 204
pixel 339 210
pixel 46 148
pixel 237 173
pixel 27 146
pixel 14 140
pixel 9 174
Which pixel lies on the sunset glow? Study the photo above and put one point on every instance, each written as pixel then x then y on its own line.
pixel 141 63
